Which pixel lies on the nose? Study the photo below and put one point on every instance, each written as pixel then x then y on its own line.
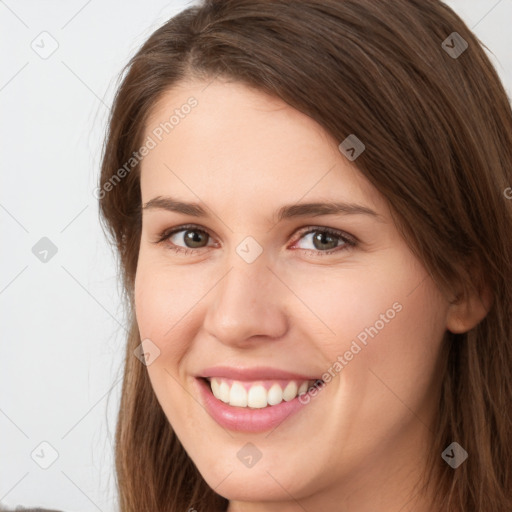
pixel 247 305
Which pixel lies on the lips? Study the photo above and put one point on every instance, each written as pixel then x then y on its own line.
pixel 252 399
pixel 253 374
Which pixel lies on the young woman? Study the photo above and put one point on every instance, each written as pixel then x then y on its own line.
pixel 311 205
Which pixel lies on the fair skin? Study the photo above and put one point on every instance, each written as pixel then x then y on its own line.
pixel 360 444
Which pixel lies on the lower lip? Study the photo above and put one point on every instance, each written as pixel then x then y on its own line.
pixel 245 419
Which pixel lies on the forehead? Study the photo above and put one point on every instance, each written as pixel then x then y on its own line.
pixel 241 145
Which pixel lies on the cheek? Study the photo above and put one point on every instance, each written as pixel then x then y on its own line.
pixel 164 298
pixel 406 351
pixel 348 303
pixel 388 316
pixel 161 299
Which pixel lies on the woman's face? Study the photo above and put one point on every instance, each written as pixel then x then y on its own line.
pixel 251 290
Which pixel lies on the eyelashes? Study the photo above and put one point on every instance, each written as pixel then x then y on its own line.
pixel 346 241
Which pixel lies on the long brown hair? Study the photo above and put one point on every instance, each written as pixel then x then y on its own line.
pixel 437 127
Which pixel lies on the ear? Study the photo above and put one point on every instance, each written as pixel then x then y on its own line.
pixel 468 309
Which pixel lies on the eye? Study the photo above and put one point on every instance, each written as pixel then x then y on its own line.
pixel 190 238
pixel 326 240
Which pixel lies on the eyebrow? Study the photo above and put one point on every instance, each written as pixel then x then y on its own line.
pixel 285 212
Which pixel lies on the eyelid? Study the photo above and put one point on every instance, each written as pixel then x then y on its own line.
pixel 350 240
pixel 166 233
pixel 333 231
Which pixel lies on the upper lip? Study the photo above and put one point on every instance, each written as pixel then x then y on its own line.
pixel 255 373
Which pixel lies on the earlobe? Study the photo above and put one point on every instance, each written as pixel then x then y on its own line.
pixel 464 313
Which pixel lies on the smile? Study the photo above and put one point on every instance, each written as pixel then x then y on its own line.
pixel 254 400
pixel 256 395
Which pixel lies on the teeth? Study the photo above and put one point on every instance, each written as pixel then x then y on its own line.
pixel 290 391
pixel 275 395
pixel 214 383
pixel 256 396
pixel 238 395
pixel 303 388
pixel 224 392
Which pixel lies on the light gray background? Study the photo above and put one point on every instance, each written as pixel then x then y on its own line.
pixel 62 324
